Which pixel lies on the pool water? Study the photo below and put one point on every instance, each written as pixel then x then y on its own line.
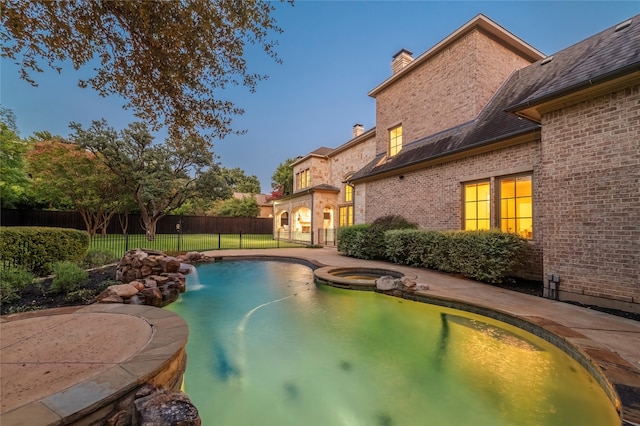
pixel 267 346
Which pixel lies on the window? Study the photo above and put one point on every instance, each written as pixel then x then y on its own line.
pixel 477 207
pixel 303 179
pixel 346 216
pixel 516 206
pixel 395 140
pixel 348 193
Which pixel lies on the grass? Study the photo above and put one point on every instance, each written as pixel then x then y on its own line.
pixel 119 244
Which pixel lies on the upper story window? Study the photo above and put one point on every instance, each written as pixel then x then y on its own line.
pixel 477 206
pixel 348 193
pixel 516 205
pixel 303 179
pixel 395 140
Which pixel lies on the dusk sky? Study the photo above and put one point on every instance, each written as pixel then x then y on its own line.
pixel 334 53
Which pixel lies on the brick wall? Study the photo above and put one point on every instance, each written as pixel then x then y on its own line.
pixel 591 197
pixel 446 90
pixel 432 197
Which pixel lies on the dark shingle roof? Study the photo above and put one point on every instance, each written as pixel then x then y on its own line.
pixel 602 56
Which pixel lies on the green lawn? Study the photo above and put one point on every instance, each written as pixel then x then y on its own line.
pixel 119 244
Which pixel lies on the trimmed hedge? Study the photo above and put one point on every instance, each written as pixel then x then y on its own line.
pixel 487 256
pixel 36 249
pixel 366 241
pixel 351 239
pixel 415 247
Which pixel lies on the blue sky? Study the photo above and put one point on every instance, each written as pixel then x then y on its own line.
pixel 334 53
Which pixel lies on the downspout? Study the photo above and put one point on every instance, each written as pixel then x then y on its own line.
pixel 313 213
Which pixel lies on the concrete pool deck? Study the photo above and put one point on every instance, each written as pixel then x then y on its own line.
pixel 70 343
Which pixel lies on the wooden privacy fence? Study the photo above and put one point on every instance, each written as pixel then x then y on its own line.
pixel 166 225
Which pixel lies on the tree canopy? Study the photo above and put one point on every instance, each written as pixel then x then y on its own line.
pixel 64 171
pixel 159 177
pixel 13 178
pixel 282 178
pixel 169 59
pixel 239 207
pixel 240 182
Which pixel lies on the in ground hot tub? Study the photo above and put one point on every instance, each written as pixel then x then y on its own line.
pixel 357 278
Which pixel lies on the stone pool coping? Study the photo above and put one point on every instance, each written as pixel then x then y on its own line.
pixel 59 366
pixel 607 345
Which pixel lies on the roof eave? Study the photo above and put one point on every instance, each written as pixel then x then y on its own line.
pixel 529 107
pixel 514 138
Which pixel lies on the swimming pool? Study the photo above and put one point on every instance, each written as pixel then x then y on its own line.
pixel 267 346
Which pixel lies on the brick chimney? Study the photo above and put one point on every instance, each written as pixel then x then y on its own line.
pixel 401 60
pixel 358 129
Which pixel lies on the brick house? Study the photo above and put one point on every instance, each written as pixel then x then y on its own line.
pixel 484 131
pixel 322 199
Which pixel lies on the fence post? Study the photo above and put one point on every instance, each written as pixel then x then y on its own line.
pixel 179 230
pixel 240 239
pixel 278 244
pixel 126 242
pixel 219 240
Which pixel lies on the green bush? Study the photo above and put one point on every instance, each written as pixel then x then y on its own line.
pixel 350 239
pixel 413 247
pixel 366 241
pixel 68 277
pixel 98 257
pixel 12 281
pixel 487 256
pixel 37 248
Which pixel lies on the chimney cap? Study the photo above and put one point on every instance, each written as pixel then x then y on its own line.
pixel 401 51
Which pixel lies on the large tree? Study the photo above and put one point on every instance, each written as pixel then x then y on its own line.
pixel 282 179
pixel 240 182
pixel 239 207
pixel 13 177
pixel 160 177
pixel 168 59
pixel 65 172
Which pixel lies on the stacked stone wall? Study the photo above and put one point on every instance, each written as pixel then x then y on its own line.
pixel 591 197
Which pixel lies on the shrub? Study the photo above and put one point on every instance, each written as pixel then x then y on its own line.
pixel 12 281
pixel 37 248
pixel 413 247
pixel 350 239
pixel 68 277
pixel 374 242
pixel 366 241
pixel 486 256
pixel 97 257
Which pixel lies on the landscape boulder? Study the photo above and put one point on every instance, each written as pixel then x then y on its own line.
pixel 149 277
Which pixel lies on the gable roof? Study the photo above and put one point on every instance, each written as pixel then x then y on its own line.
pixel 323 151
pixel 599 58
pixel 479 22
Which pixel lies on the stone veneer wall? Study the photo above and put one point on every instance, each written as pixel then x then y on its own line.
pixel 449 89
pixel 590 179
pixel 432 196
